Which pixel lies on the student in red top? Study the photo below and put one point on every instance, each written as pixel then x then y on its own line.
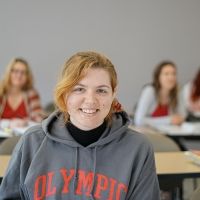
pixel 158 103
pixel 190 99
pixel 19 101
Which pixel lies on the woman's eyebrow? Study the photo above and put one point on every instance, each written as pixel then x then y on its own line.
pixel 100 86
pixel 79 84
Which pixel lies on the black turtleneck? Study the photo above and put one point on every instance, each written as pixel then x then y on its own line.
pixel 86 138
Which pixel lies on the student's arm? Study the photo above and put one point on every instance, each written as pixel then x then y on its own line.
pixel 146 103
pixel 158 120
pixel 147 186
pixel 35 108
pixel 143 105
pixel 183 100
pixel 10 186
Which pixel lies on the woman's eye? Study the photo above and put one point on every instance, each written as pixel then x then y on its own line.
pixel 101 91
pixel 78 89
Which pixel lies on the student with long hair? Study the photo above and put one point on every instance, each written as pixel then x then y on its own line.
pixel 191 99
pixel 19 101
pixel 158 103
pixel 84 150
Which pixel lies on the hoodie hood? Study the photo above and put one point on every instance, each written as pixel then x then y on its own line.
pixel 55 129
pixel 49 164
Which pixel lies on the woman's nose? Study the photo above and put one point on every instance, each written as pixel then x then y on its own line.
pixel 90 97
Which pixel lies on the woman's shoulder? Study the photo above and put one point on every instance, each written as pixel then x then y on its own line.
pixel 136 138
pixel 187 88
pixel 32 93
pixel 188 85
pixel 30 142
pixel 148 90
pixel 34 135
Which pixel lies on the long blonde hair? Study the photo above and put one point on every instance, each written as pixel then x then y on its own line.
pixel 5 83
pixel 74 70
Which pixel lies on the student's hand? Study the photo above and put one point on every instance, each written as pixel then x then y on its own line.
pixel 177 119
pixel 16 122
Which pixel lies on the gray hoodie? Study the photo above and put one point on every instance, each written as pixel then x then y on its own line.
pixel 48 163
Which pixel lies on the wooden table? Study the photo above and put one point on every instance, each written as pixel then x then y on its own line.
pixel 172 168
pixel 169 164
pixel 175 165
pixel 4 160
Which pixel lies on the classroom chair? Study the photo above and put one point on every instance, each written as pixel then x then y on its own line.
pixel 49 108
pixel 7 146
pixel 162 143
pixel 196 194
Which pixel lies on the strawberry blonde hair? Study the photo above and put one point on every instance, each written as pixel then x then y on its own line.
pixel 74 70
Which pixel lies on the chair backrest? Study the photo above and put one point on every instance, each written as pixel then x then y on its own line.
pixel 49 108
pixel 7 146
pixel 196 194
pixel 160 142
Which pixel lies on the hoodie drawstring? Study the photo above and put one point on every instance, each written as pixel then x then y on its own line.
pixel 76 172
pixel 94 172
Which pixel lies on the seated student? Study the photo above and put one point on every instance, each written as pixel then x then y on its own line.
pixel 85 150
pixel 191 99
pixel 158 102
pixel 19 101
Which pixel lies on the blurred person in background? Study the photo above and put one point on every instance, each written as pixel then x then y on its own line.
pixel 190 99
pixel 158 103
pixel 19 101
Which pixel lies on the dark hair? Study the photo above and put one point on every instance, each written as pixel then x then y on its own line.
pixel 156 84
pixel 196 87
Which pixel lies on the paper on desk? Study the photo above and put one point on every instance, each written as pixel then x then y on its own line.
pixel 22 130
pixel 5 134
pixel 192 156
pixel 187 128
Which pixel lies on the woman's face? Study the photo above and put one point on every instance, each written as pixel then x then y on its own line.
pixel 18 75
pixel 90 100
pixel 167 77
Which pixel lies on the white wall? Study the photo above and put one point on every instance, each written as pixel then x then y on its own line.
pixel 134 34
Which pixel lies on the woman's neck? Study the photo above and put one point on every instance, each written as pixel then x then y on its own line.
pixel 164 96
pixel 86 138
pixel 14 91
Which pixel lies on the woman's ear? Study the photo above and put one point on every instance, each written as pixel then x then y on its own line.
pixel 117 107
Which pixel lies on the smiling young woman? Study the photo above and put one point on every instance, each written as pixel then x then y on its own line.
pixel 90 100
pixel 84 150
